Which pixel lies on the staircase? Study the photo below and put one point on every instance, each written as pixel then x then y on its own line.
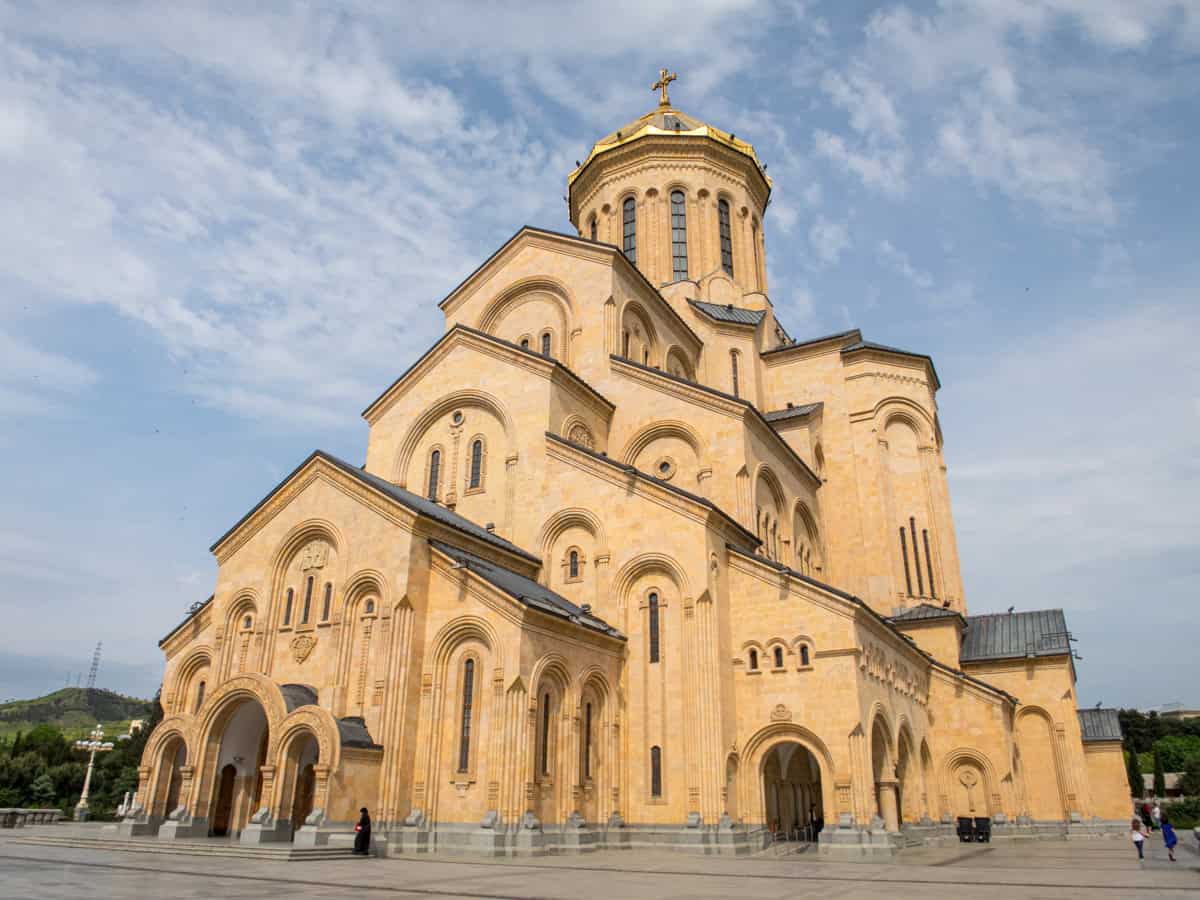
pixel 209 847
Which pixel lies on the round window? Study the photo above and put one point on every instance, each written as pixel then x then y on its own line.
pixel 664 468
pixel 457 417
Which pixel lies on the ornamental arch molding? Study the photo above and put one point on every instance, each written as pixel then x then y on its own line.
pixel 649 563
pixel 518 292
pixel 563 520
pixel 675 428
pixel 308 720
pixel 900 409
pixel 314 529
pixel 464 399
pixel 753 758
pixel 458 631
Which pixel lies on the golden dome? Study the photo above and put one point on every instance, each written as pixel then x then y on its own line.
pixel 666 120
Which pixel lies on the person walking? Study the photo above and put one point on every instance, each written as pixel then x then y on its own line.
pixel 1146 815
pixel 1138 837
pixel 362 833
pixel 1169 838
pixel 1155 816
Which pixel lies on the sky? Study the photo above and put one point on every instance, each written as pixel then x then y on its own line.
pixel 226 228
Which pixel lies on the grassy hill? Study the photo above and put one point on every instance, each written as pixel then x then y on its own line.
pixel 74 713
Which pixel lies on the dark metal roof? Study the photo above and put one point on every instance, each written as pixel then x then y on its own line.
pixel 729 313
pixel 526 590
pixel 417 504
pixel 1014 635
pixel 1100 724
pixel 871 345
pixel 297 695
pixel 853 332
pixel 353 732
pixel 196 609
pixel 923 612
pixel 792 412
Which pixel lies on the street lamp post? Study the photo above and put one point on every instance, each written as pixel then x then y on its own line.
pixel 96 744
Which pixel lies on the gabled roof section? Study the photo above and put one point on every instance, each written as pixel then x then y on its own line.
pixel 609 249
pixel 196 609
pixel 792 412
pixel 1100 725
pixel 419 505
pixel 852 342
pixel 1016 635
pixel 458 331
pixel 745 404
pixel 882 620
pixel 751 538
pixel 735 315
pixel 925 612
pixel 526 590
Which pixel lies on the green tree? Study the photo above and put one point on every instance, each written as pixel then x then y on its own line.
pixel 41 792
pixel 1160 779
pixel 15 749
pixel 1189 782
pixel 1133 771
pixel 1177 750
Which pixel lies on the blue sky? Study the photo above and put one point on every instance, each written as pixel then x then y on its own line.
pixel 227 227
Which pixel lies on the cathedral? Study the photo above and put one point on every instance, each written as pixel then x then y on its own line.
pixel 627 564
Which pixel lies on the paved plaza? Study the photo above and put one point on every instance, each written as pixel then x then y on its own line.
pixel 1049 869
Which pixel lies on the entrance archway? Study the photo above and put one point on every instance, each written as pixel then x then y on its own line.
pixel 792 793
pixel 171 760
pixel 241 754
pixel 302 758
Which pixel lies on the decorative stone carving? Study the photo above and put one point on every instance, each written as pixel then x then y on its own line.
pixel 314 556
pixel 302 645
pixel 695 820
pixel 415 819
pixel 616 820
pixel 262 817
pixel 781 713
pixel 316 817
pixel 530 822
pixel 490 820
pixel 179 814
pixel 575 820
pixel 579 434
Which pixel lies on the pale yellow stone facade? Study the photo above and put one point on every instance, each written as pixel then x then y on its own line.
pixel 626 563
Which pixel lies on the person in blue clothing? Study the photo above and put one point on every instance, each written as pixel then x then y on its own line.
pixel 1168 836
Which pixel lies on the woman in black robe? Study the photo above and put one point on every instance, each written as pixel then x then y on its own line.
pixel 362 833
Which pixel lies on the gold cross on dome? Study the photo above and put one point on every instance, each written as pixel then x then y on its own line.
pixel 664 79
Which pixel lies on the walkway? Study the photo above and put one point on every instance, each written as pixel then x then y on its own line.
pixel 1059 869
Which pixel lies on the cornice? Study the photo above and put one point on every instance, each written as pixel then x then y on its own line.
pixel 808 349
pixel 497 348
pixel 663 147
pixel 698 394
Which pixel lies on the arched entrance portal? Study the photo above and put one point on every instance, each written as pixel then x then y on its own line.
pixel 302 758
pixel 793 800
pixel 237 790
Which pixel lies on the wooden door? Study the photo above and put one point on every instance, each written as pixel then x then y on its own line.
pixel 302 805
pixel 224 807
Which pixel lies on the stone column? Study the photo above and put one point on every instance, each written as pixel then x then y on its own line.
pixel 888 807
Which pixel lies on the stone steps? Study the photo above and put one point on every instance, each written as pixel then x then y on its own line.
pixel 209 848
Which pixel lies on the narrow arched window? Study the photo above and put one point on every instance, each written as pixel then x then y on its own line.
pixel 654 628
pixel 679 261
pixel 468 700
pixel 904 556
pixel 912 523
pixel 546 344
pixel 545 748
pixel 476 478
pixel 629 229
pixel 928 562
pixel 753 660
pixel 199 696
pixel 656 771
pixel 246 623
pixel 287 608
pixel 733 367
pixel 308 588
pixel 524 343
pixel 757 257
pixel 573 564
pixel 625 344
pixel 726 234
pixel 587 741
pixel 435 468
pixel 369 607
pixel 779 657
pixel 592 227
pixel 804 654
pixel 327 605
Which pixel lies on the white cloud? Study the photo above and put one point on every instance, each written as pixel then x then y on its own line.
pixel 882 169
pixel 828 239
pixel 898 260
